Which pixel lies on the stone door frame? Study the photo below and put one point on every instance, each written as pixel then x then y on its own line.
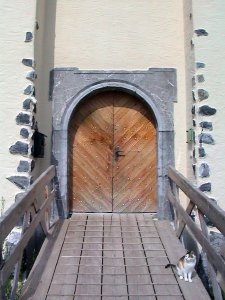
pixel 156 87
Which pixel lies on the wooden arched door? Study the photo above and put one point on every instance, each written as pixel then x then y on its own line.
pixel 112 155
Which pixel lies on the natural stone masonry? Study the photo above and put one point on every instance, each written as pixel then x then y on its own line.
pixel 19 148
pixel 201 152
pixel 200 65
pixel 206 125
pixel 206 110
pixel 23 119
pixel 31 75
pixel 24 133
pixel 27 103
pixel 28 62
pixel 200 78
pixel 22 182
pixel 205 187
pixel 201 32
pixel 28 90
pixel 23 166
pixel 29 36
pixel 206 138
pixel 202 94
pixel 204 170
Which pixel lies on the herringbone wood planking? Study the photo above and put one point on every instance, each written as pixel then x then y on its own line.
pixel 99 183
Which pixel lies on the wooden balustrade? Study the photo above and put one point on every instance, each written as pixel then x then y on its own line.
pixel 203 206
pixel 32 209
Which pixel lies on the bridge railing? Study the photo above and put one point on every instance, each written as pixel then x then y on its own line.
pixel 32 210
pixel 203 206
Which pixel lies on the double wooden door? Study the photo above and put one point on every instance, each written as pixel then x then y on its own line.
pixel 112 155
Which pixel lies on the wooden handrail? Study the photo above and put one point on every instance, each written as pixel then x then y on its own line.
pixel 206 207
pixel 34 209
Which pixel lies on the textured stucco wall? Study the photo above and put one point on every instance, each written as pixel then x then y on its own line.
pixel 17 17
pixel 210 49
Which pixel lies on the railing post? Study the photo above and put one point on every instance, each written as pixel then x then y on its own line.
pixel 216 288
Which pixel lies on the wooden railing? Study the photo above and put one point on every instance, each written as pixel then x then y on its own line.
pixel 203 205
pixel 32 210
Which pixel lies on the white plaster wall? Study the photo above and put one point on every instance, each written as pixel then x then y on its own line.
pixel 210 15
pixel 127 35
pixel 17 17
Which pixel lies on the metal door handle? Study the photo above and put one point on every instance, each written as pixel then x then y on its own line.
pixel 117 153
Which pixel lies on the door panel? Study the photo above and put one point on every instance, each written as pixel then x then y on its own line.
pixel 134 184
pixel 98 181
pixel 91 145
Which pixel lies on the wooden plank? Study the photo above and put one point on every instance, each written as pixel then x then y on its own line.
pixel 17 252
pixel 215 214
pixel 13 214
pixel 182 224
pixel 213 257
pixel 175 250
pixel 45 281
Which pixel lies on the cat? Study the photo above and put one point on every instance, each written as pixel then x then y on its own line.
pixel 185 266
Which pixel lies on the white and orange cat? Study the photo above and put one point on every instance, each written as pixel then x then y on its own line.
pixel 185 266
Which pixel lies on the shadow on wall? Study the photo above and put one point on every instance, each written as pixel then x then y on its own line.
pixel 44 48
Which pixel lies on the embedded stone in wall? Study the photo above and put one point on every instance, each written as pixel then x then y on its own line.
pixel 27 103
pixel 201 32
pixel 29 36
pixel 28 62
pixel 205 187
pixel 31 75
pixel 32 165
pixel 23 119
pixel 28 90
pixel 22 182
pixel 19 148
pixel 204 170
pixel 200 78
pixel 23 166
pixel 206 125
pixel 193 96
pixel 206 110
pixel 24 133
pixel 206 138
pixel 200 65
pixel 202 94
pixel 201 152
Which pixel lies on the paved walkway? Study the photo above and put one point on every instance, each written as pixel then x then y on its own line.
pixel 115 256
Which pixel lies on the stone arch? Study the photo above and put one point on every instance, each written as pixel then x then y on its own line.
pixel 63 110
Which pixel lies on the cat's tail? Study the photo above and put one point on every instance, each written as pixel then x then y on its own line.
pixel 170 265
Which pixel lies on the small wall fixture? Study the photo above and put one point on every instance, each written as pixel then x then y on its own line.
pixel 190 136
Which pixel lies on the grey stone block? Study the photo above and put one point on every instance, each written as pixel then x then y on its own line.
pixel 24 133
pixel 202 94
pixel 201 32
pixel 206 110
pixel 29 36
pixel 206 125
pixel 19 148
pixel 22 182
pixel 205 187
pixel 23 119
pixel 204 170
pixel 31 75
pixel 206 138
pixel 28 62
pixel 201 152
pixel 23 166
pixel 200 65
pixel 28 90
pixel 200 78
pixel 27 103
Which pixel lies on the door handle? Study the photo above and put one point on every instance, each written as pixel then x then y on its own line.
pixel 117 153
